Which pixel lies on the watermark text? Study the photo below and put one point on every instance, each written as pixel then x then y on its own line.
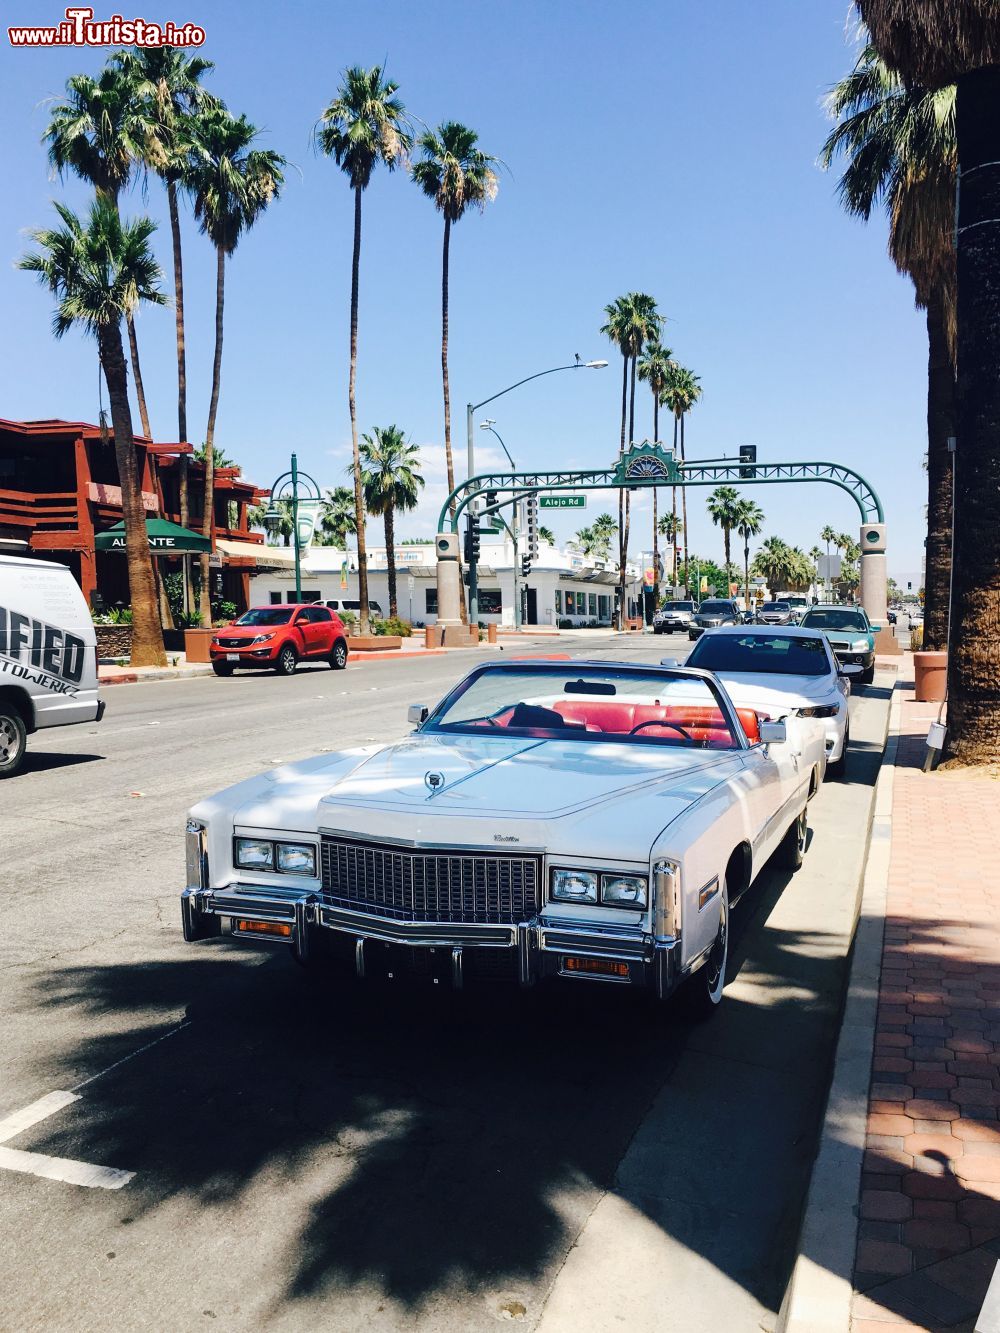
pixel 80 28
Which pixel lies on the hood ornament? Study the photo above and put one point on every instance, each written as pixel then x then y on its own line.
pixel 433 781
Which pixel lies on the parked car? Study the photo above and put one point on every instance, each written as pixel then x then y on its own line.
pixel 548 819
pixel 799 605
pixel 775 613
pixel 850 633
pixel 48 655
pixel 280 637
pixel 673 616
pixel 352 605
pixel 915 618
pixel 712 613
pixel 782 671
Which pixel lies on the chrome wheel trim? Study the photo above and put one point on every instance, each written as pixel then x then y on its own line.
pixel 715 964
pixel 340 655
pixel 10 741
pixel 287 659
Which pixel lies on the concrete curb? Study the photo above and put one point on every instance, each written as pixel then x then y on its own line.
pixel 820 1289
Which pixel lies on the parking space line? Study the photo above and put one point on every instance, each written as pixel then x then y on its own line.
pixel 64 1168
pixel 17 1123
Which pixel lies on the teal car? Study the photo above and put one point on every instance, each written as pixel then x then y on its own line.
pixel 850 634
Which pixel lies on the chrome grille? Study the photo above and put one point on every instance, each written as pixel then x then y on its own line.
pixel 447 885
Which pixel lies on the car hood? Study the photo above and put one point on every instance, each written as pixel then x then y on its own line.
pixel 771 694
pixel 247 632
pixel 589 797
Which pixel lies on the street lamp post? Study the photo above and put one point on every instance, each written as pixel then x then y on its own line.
pixel 490 425
pixel 470 410
pixel 289 482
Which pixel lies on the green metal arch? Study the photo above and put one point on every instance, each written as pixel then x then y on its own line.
pixel 694 474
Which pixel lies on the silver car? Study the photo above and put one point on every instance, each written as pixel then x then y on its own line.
pixel 673 616
pixel 775 613
pixel 712 613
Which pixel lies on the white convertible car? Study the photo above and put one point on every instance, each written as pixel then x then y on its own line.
pixel 572 819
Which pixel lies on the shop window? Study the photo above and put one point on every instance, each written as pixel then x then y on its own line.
pixel 604 602
pixel 275 598
pixel 570 600
pixel 490 601
pixel 431 601
pixel 592 605
pixel 559 602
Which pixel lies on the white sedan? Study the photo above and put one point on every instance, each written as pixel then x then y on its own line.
pixel 791 671
pixel 548 819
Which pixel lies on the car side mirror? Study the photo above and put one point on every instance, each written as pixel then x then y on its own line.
pixel 773 733
pixel 417 713
pixel 669 662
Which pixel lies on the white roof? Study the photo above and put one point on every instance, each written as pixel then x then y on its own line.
pixel 765 631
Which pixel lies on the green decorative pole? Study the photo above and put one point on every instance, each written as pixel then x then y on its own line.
pixel 295 528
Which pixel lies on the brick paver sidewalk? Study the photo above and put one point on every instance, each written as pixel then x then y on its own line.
pixel 930 1201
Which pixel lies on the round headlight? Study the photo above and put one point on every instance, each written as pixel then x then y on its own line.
pixel 623 890
pixel 574 886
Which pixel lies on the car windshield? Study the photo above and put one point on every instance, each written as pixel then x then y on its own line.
pixel 715 608
pixel 588 703
pixel 677 606
pixel 761 654
pixel 835 617
pixel 267 615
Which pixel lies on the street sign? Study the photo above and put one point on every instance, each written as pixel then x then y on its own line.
pixel 562 501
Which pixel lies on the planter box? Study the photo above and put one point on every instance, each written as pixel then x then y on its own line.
pixel 433 636
pixel 196 643
pixel 930 675
pixel 114 640
pixel 372 643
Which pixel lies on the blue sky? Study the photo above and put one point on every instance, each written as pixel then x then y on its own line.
pixel 667 146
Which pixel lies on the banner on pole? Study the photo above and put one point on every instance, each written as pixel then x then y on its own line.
pixel 308 520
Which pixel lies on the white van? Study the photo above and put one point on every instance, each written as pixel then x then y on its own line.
pixel 48 655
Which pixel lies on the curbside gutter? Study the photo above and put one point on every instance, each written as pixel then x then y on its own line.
pixel 820 1289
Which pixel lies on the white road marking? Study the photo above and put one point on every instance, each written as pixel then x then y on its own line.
pixel 45 1106
pixel 65 1169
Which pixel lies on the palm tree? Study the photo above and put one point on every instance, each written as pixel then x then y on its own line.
pixel 934 44
pixel 168 86
pixel 257 518
pixel 546 535
pixel 338 517
pixel 900 149
pixel 390 481
pixel 632 320
pixel 682 393
pixel 363 126
pixel 100 132
pixel 232 184
pixel 456 175
pixel 749 522
pixel 723 509
pixel 604 528
pixel 773 563
pixel 584 542
pixel 655 366
pixel 669 527
pixel 99 270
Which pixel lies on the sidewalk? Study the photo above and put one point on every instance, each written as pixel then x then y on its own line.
pixel 929 1229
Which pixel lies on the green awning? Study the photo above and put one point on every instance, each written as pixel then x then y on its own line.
pixel 165 538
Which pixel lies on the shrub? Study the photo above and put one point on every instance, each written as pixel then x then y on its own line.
pixel 348 618
pixel 392 625
pixel 565 624
pixel 189 620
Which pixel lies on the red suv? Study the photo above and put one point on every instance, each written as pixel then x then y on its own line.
pixel 280 637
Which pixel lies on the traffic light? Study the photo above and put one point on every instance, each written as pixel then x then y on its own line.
pixel 491 499
pixel 472 540
pixel 525 566
pixel 531 510
pixel 748 454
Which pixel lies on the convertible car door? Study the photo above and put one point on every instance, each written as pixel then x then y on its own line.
pixel 771 780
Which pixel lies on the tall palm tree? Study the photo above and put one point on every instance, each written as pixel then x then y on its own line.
pixel 933 44
pixel 456 175
pixel 669 526
pixel 365 125
pixel 749 522
pixel 900 149
pixel 723 510
pixel 828 535
pixel 585 542
pixel 232 184
pixel 338 516
pixel 773 562
pixel 546 535
pixel 168 85
pixel 604 528
pixel 682 393
pixel 391 482
pixel 99 271
pixel 654 368
pixel 101 132
pixel 632 320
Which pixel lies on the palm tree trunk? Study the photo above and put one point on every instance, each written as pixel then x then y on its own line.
pixel 974 652
pixel 147 636
pixel 656 535
pixel 673 519
pixel 213 407
pixel 684 520
pixel 746 572
pixel 140 392
pixel 359 503
pixel 628 494
pixel 621 502
pixel 726 531
pixel 940 425
pixel 446 386
pixel 390 557
pixel 182 462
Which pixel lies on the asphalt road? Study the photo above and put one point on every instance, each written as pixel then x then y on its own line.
pixel 313 1156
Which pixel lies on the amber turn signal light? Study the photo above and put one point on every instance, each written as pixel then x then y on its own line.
pixel 264 928
pixel 603 967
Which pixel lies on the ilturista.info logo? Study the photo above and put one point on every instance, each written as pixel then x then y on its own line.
pixel 80 28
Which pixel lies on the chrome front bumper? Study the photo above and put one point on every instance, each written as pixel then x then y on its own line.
pixel 541 945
